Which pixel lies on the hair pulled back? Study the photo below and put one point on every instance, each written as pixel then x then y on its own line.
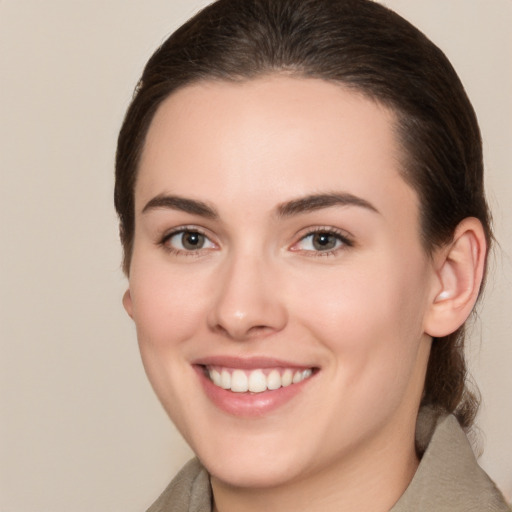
pixel 359 44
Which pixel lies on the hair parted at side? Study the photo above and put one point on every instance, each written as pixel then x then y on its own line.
pixel 359 44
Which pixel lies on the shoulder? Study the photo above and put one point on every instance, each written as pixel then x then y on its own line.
pixel 448 478
pixel 189 491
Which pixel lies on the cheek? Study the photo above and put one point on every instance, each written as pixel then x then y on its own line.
pixel 371 326
pixel 168 304
pixel 368 315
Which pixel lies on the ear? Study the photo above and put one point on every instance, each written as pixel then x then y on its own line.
pixel 459 270
pixel 127 303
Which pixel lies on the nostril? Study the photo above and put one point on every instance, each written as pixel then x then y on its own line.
pixel 243 312
pixel 259 329
pixel 218 329
pixel 242 334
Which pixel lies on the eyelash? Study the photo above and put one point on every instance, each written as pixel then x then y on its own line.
pixel 164 242
pixel 339 236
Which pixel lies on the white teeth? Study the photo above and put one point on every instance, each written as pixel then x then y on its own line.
pixel 239 382
pixel 307 373
pixel 287 378
pixel 255 381
pixel 274 380
pixel 300 376
pixel 216 377
pixel 225 381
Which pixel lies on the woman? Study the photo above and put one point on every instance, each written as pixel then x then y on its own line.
pixel 300 190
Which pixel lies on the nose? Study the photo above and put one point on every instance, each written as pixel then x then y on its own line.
pixel 248 303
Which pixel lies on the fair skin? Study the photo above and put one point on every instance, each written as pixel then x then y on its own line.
pixel 275 234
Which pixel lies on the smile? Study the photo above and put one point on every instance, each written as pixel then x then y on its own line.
pixel 257 380
pixel 253 387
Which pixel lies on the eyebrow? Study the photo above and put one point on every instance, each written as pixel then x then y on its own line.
pixel 183 204
pixel 290 208
pixel 320 201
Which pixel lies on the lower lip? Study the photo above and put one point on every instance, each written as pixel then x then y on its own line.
pixel 249 405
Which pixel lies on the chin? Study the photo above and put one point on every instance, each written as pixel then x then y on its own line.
pixel 252 474
pixel 252 461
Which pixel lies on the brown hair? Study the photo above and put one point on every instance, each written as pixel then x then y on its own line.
pixel 362 45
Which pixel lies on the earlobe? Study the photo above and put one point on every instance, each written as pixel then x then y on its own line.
pixel 459 273
pixel 127 303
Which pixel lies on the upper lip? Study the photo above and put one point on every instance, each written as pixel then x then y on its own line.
pixel 248 363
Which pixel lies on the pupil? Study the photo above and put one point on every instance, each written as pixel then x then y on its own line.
pixel 193 240
pixel 324 241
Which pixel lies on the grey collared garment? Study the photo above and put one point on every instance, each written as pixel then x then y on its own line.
pixel 448 478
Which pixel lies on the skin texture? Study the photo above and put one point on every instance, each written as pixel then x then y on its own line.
pixel 361 315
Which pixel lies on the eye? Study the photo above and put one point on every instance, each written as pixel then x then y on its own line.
pixel 322 241
pixel 187 240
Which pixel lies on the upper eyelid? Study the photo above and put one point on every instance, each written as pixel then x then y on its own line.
pixel 163 242
pixel 181 229
pixel 342 233
pixel 346 239
pixel 163 239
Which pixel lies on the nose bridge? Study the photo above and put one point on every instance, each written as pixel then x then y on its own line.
pixel 248 301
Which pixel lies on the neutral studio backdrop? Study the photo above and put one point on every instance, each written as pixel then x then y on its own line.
pixel 80 428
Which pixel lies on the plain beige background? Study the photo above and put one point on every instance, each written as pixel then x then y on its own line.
pixel 80 428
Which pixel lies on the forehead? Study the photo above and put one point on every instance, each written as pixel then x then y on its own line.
pixel 271 137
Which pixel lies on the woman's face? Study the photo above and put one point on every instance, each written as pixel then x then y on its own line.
pixel 277 247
